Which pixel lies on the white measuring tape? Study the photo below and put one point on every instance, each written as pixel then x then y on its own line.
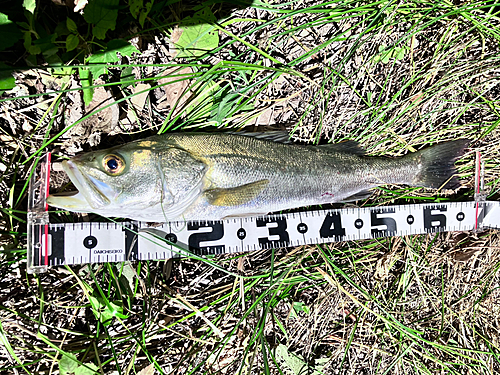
pixel 52 244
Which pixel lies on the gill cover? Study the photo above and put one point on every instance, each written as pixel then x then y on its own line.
pixel 181 177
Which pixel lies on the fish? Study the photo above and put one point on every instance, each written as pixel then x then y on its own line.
pixel 213 176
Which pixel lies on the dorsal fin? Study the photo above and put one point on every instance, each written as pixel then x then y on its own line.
pixel 348 147
pixel 278 136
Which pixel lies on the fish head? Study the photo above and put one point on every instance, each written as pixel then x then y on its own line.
pixel 111 180
pixel 129 180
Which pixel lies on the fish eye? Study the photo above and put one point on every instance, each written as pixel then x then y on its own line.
pixel 113 164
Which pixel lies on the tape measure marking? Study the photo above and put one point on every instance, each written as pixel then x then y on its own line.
pixel 115 242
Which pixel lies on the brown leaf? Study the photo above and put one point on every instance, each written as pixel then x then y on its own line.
pixel 104 120
pixel 66 3
pixel 385 264
pixel 174 38
pixel 8 141
pixel 464 256
pixel 175 94
pixel 149 370
pixel 139 100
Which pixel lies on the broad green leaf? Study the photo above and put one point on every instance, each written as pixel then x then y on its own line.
pixel 399 53
pixel 369 97
pixel 33 50
pixel 102 14
pixel 97 70
pixel 198 36
pixel 227 104
pixel 72 42
pixel 62 28
pixel 86 82
pixel 105 312
pixel 88 369
pixel 139 10
pixel 144 12
pixel 121 46
pixel 295 364
pixel 135 7
pixel 7 82
pixel 127 276
pixel 10 32
pixel 29 5
pixel 127 75
pixel 301 307
pixel 62 72
pixel 54 60
pixel 385 54
pixel 23 25
pixel 71 25
pixel 110 55
pixel 68 364
pixel 47 45
pixel 231 102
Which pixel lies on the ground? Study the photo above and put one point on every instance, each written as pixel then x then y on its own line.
pixel 394 76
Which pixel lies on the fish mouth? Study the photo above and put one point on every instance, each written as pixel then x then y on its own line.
pixel 91 193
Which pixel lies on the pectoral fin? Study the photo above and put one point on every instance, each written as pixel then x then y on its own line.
pixel 237 195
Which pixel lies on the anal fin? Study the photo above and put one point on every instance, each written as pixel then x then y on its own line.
pixel 360 195
pixel 237 195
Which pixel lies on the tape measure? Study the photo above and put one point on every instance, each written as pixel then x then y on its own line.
pixel 52 244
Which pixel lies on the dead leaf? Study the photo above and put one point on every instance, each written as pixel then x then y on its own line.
pixel 66 3
pixel 104 120
pixel 464 256
pixel 417 98
pixel 174 38
pixel 74 112
pixel 27 126
pixel 149 370
pixel 271 114
pixel 266 117
pixel 175 94
pixel 7 141
pixel 8 118
pixel 385 264
pixel 136 104
pixel 139 100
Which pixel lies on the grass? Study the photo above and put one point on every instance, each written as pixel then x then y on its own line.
pixel 393 75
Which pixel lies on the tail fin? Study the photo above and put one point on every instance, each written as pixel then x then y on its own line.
pixel 438 164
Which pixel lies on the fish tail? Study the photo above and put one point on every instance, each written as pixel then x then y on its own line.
pixel 438 164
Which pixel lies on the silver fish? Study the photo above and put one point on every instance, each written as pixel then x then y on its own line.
pixel 213 176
